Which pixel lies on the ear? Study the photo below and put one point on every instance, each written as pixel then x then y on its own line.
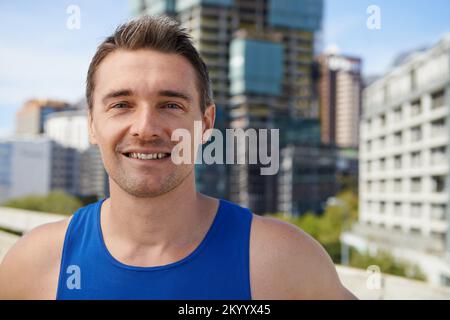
pixel 209 117
pixel 91 129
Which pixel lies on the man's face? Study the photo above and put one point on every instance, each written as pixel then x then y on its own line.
pixel 140 98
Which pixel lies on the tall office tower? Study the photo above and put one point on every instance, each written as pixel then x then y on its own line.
pixel 31 117
pixel 404 163
pixel 339 89
pixel 260 56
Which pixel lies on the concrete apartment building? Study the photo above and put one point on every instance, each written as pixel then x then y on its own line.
pixel 404 164
pixel 35 165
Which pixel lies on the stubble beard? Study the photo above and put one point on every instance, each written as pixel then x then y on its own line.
pixel 140 187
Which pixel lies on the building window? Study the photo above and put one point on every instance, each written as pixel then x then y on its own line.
pixel 382 164
pixel 438 99
pixel 382 207
pixel 416 108
pixel 397 208
pixel 397 185
pixel 416 133
pixel 413 79
pixel 438 127
pixel 440 236
pixel 416 184
pixel 416 159
pixel 438 212
pixel 438 156
pixel 382 120
pixel 438 183
pixel 382 143
pixel 398 138
pixel 382 186
pixel 416 210
pixel 398 162
pixel 397 114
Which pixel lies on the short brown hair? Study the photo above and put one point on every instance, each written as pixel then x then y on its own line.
pixel 159 33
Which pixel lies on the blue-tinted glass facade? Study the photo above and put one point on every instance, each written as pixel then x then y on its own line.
pixel 184 4
pixel 256 66
pixel 152 7
pixel 157 7
pixel 304 131
pixel 45 112
pixel 137 6
pixel 295 14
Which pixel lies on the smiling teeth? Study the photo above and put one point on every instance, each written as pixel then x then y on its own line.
pixel 149 156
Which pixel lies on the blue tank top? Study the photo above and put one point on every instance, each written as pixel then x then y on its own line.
pixel 217 269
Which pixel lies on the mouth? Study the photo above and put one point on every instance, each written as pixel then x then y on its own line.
pixel 147 156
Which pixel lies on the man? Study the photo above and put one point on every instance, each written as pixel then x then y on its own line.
pixel 156 237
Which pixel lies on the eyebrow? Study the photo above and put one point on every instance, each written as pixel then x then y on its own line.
pixel 175 94
pixel 117 94
pixel 163 93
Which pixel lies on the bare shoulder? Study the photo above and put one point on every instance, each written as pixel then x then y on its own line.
pixel 30 269
pixel 287 263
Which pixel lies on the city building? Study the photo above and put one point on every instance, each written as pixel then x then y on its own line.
pixel 35 165
pixel 404 161
pixel 339 90
pixel 68 128
pixel 307 178
pixel 31 117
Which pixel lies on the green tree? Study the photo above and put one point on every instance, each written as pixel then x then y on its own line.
pixel 55 202
pixel 387 264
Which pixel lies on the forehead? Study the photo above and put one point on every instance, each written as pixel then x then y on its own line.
pixel 146 72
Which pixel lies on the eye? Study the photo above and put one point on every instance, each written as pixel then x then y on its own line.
pixel 120 105
pixel 172 106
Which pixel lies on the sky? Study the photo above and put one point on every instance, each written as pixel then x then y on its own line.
pixel 40 57
pixel 404 25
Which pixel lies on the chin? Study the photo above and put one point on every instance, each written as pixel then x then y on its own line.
pixel 149 185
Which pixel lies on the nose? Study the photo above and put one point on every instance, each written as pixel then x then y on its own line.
pixel 147 124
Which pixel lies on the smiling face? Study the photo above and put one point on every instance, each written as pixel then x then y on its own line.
pixel 140 98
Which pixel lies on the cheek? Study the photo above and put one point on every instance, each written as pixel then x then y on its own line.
pixel 109 134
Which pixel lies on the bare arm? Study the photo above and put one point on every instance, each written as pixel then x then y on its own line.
pixel 30 269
